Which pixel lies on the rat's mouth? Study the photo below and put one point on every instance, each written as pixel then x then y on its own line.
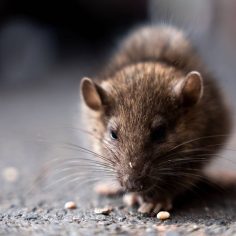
pixel 136 189
pixel 135 184
pixel 150 191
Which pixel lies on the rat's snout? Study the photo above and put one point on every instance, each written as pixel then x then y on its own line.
pixel 135 184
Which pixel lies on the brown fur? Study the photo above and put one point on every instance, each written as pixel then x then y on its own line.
pixel 139 84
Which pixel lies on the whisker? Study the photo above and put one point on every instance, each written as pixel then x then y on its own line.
pixel 199 138
pixel 91 171
pixel 79 148
pixel 77 164
pixel 183 160
pixel 67 179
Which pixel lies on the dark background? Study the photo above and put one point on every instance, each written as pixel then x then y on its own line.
pixel 36 35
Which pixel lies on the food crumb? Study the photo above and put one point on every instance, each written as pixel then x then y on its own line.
pixel 163 215
pixel 103 211
pixel 70 205
pixel 10 174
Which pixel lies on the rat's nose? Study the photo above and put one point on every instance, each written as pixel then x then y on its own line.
pixel 135 184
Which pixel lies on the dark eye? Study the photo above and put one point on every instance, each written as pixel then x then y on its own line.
pixel 159 133
pixel 113 134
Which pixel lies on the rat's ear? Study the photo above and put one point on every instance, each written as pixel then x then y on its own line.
pixel 94 95
pixel 190 90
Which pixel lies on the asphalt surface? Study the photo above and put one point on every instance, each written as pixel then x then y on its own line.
pixel 39 126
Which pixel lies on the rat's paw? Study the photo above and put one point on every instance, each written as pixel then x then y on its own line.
pixel 147 208
pixel 131 199
pixel 154 207
pixel 108 189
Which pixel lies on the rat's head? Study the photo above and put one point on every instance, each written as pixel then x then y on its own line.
pixel 145 111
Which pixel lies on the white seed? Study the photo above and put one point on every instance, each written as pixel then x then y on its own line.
pixel 70 205
pixel 163 215
pixel 103 211
pixel 10 174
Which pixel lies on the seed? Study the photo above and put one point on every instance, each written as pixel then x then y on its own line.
pixel 10 174
pixel 70 205
pixel 103 211
pixel 163 215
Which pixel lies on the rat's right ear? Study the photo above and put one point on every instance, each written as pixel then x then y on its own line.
pixel 190 89
pixel 93 94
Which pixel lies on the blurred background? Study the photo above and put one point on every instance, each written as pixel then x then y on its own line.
pixel 46 47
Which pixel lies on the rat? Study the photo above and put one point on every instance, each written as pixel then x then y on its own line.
pixel 159 114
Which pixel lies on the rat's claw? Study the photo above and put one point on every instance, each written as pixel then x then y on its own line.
pixel 130 199
pixel 154 208
pixel 166 206
pixel 157 208
pixel 146 208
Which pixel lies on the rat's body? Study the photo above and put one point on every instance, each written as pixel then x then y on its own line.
pixel 158 114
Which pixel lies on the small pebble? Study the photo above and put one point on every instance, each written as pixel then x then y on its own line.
pixel 76 219
pixel 194 228
pixel 121 218
pixel 10 174
pixel 70 205
pixel 151 230
pixel 163 215
pixel 103 211
pixel 172 233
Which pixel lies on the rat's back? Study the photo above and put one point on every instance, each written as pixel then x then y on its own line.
pixel 161 43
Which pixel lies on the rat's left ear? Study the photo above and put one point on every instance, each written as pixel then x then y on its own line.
pixel 94 95
pixel 190 90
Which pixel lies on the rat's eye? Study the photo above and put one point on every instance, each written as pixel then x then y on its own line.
pixel 113 134
pixel 159 133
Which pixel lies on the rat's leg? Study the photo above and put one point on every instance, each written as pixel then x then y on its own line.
pixel 154 207
pixel 108 188
pixel 131 199
pixel 147 207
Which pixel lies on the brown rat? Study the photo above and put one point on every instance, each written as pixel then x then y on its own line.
pixel 158 113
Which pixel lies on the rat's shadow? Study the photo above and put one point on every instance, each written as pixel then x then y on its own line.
pixel 209 201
